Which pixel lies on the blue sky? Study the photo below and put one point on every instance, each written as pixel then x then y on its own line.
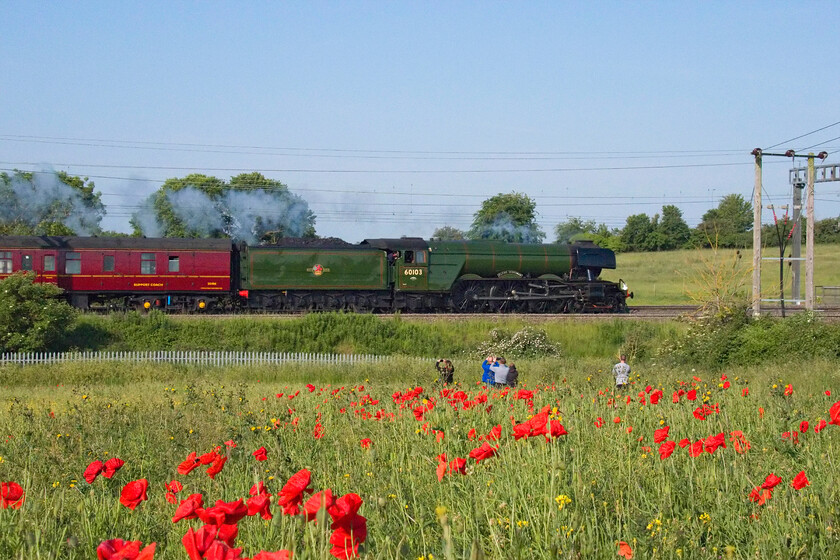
pixel 394 118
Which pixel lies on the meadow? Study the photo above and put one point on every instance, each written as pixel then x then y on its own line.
pixel 682 464
pixel 663 278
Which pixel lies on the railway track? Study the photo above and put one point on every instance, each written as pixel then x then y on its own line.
pixel 652 312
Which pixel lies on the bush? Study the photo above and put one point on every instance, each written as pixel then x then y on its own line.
pixel 32 317
pixel 529 342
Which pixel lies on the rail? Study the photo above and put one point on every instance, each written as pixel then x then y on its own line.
pixel 205 358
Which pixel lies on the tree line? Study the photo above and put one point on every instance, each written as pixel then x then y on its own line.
pixel 254 208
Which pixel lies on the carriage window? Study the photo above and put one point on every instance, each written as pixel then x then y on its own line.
pixel 26 262
pixel 108 263
pixel 174 264
pixel 409 257
pixel 5 262
pixel 49 263
pixel 73 263
pixel 147 263
pixel 420 257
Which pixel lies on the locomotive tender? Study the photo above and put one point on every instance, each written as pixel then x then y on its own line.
pixel 376 275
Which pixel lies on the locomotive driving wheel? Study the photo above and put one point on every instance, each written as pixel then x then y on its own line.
pixel 465 297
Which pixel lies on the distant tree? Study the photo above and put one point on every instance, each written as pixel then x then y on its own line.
pixel 608 238
pixel 507 217
pixel 32 317
pixel 636 231
pixel 449 233
pixel 49 204
pixel 673 229
pixel 250 207
pixel 728 223
pixel 573 228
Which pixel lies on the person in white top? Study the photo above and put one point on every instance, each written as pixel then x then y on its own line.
pixel 500 371
pixel 621 371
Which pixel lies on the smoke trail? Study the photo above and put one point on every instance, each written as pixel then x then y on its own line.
pixel 31 206
pixel 503 228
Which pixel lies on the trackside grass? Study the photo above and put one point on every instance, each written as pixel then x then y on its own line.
pixel 594 491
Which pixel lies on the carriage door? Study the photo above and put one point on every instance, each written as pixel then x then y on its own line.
pixel 413 271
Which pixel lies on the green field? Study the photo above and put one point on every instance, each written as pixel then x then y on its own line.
pixel 577 495
pixel 663 278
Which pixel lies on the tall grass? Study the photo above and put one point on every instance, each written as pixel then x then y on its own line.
pixel 612 488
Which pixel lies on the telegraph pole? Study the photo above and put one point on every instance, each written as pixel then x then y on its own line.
pixel 756 275
pixel 796 250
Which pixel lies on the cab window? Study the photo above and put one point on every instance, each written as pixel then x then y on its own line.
pixel 26 262
pixel 73 263
pixel 147 263
pixel 5 262
pixel 409 257
pixel 420 257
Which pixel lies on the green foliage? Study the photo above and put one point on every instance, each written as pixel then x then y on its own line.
pixel 32 317
pixel 672 228
pixel 48 204
pixel 448 233
pixel 637 231
pixel 573 229
pixel 507 217
pixel 729 224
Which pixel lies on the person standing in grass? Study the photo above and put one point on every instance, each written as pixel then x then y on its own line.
pixel 445 371
pixel 621 371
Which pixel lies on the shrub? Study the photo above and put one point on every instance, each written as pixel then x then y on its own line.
pixel 32 317
pixel 529 342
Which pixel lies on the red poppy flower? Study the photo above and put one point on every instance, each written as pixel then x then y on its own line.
pixel 291 495
pixel 599 422
pixel 800 481
pixel 279 555
pixel 745 392
pixel 11 495
pixel 661 434
pixel 617 420
pixel 188 508
pixel 93 470
pixel 819 427
pixel 495 433
pixel 320 500
pixel 739 441
pixel 174 486
pixel 311 387
pixel 655 396
pixel 696 448
pixel 318 432
pixel 223 513
pixel 258 488
pixel 134 492
pixel 700 413
pixel 726 384
pixel 260 504
pixel 676 398
pixel 834 414
pixel 691 395
pixel 684 442
pixel 118 549
pixel 260 454
pixel 349 528
pixel 771 481
pixel 760 495
pixel 208 457
pixel 827 393
pixel 216 467
pixel 803 426
pixel 471 434
pixel 557 429
pixel 365 443
pixel 190 463
pixel 484 452
pixel 624 550
pixel 666 449
pixel 711 443
pixel 788 390
pixel 203 543
pixel 230 444
pixel 112 465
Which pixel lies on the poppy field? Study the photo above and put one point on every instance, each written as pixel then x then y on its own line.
pixel 159 462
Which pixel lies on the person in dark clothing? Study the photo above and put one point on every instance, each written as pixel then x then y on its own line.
pixel 512 376
pixel 446 371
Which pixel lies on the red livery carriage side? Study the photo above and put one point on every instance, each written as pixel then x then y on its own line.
pixel 104 272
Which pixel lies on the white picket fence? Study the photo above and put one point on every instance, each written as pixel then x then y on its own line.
pixel 190 357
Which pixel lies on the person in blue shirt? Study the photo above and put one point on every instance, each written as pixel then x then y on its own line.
pixel 488 377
